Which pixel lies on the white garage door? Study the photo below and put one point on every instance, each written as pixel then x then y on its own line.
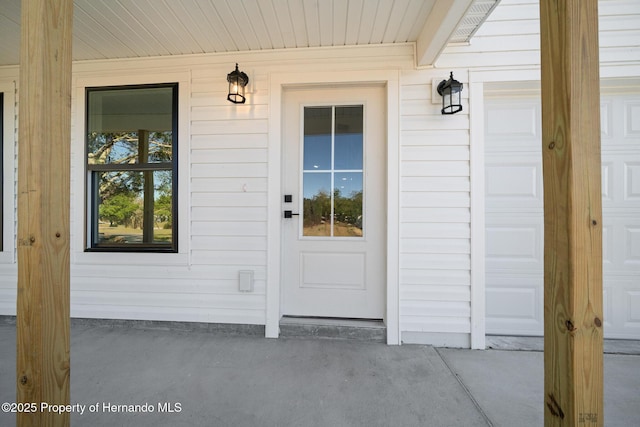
pixel 514 215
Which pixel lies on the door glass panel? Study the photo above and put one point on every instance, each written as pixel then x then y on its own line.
pixel 317 138
pixel 317 204
pixel 348 139
pixel 348 204
pixel 333 171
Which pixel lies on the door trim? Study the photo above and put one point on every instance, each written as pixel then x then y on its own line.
pixel 278 82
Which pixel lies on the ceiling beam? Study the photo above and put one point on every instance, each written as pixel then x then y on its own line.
pixel 438 28
pixel 573 322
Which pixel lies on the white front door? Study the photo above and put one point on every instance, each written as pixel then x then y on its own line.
pixel 334 188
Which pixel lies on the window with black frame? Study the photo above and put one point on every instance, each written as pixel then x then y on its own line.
pixel 131 152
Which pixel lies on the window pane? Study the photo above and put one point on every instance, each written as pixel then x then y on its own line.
pixel 125 147
pixel 348 204
pixel 316 217
pixel 348 138
pixel 103 147
pixel 317 138
pixel 131 138
pixel 135 208
pixel 130 125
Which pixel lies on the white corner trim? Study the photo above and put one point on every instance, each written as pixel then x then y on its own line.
pixel 391 80
pixel 274 186
pixel 393 211
pixel 476 113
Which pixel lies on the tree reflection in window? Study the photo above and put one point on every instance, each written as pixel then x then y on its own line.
pixel 333 171
pixel 131 164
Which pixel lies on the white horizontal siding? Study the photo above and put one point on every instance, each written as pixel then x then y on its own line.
pixel 421 183
pixel 224 153
pixel 459 324
pixel 232 214
pixel 511 36
pixel 437 215
pixel 439 229
pixel 205 301
pixel 165 313
pixel 435 247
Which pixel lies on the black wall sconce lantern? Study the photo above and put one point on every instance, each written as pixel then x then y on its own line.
pixel 238 80
pixel 451 92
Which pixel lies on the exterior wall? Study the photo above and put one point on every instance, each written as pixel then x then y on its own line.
pixel 502 58
pixel 225 195
pixel 510 37
pixel 228 197
pixel 442 189
pixel 435 246
pixel 224 164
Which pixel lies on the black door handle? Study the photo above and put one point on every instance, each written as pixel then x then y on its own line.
pixel 289 214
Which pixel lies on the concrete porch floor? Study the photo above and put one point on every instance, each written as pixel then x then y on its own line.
pixel 212 379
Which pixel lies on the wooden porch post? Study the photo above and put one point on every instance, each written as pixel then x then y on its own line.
pixel 573 334
pixel 43 210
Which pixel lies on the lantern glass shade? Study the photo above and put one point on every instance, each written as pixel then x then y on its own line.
pixel 451 92
pixel 238 80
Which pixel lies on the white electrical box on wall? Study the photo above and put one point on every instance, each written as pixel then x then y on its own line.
pixel 246 281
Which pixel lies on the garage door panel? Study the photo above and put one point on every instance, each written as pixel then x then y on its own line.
pixel 515 310
pixel 621 243
pixel 621 179
pixel 608 192
pixel 514 218
pixel 606 120
pixel 607 305
pixel 515 303
pixel 511 303
pixel 634 307
pixel 514 180
pixel 632 119
pixel 624 319
pixel 608 247
pixel 509 124
pixel 513 248
pixel 632 182
pixel 515 243
pixel 632 247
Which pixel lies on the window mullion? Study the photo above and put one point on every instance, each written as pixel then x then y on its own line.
pixel 130 167
pixel 148 187
pixel 333 152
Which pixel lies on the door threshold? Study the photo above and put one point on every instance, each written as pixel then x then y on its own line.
pixel 371 330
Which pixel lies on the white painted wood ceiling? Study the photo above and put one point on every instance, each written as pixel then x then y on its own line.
pixel 104 29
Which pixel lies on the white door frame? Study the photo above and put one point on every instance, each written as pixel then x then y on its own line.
pixel 478 82
pixel 278 82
